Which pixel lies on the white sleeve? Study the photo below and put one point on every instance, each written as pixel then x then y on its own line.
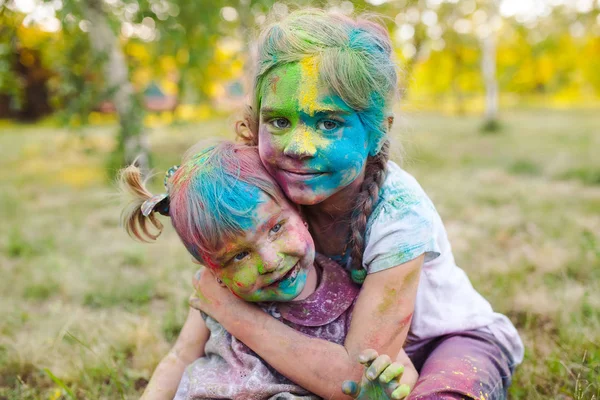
pixel 403 228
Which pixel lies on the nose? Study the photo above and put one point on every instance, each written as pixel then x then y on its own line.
pixel 302 144
pixel 270 259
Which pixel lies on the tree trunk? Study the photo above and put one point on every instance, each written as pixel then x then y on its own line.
pixel 132 144
pixel 459 98
pixel 488 69
pixel 488 66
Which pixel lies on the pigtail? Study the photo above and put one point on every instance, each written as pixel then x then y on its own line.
pixel 375 173
pixel 132 217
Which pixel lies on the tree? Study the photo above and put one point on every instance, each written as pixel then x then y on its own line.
pixel 132 145
pixel 487 34
pixel 24 92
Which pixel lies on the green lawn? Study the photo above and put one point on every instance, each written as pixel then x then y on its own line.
pixel 87 313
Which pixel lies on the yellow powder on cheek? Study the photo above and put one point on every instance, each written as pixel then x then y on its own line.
pixel 309 89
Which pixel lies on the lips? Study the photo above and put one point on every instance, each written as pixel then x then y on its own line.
pixel 289 278
pixel 301 171
pixel 290 275
pixel 298 174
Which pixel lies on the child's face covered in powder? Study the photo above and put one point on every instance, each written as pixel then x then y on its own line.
pixel 310 141
pixel 271 261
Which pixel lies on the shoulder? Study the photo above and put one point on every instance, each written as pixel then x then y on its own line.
pixel 401 198
pixel 401 190
pixel 403 224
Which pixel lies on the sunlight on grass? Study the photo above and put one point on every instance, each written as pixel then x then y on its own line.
pixel 88 311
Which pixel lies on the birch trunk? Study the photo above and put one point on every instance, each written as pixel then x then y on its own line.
pixel 488 69
pixel 489 75
pixel 132 144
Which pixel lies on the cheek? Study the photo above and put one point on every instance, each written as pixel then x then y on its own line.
pixel 346 156
pixel 267 146
pixel 240 281
pixel 300 238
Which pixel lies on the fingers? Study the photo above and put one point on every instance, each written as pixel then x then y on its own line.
pixel 378 366
pixel 401 392
pixel 197 277
pixel 367 356
pixel 393 371
pixel 350 388
pixel 198 300
pixel 194 301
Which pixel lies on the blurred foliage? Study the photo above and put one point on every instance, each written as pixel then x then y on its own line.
pixel 196 50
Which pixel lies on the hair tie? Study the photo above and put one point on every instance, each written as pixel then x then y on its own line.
pixel 160 202
pixel 358 275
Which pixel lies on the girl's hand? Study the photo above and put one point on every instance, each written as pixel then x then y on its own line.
pixel 211 297
pixel 380 381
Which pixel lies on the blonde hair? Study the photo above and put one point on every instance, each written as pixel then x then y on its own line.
pixel 356 63
pixel 135 223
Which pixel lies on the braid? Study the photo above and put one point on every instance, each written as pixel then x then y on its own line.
pixel 375 173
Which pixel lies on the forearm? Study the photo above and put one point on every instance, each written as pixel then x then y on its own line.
pixel 188 347
pixel 381 318
pixel 165 379
pixel 315 364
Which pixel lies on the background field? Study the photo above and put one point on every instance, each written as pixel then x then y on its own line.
pixel 87 313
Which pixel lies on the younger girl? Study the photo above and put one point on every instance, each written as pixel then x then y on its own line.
pixel 232 217
pixel 324 87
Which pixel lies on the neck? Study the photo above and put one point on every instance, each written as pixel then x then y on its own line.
pixel 311 284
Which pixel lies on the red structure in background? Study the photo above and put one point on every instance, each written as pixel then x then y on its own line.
pixel 155 100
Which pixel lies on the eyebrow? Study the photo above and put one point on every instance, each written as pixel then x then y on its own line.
pixel 270 221
pixel 222 257
pixel 323 110
pixel 269 110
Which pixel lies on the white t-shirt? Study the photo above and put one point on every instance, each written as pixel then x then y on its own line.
pixel 404 225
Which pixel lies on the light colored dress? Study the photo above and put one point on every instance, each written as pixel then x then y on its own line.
pixel 230 370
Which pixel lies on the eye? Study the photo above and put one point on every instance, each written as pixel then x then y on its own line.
pixel 277 227
pixel 240 256
pixel 280 123
pixel 328 125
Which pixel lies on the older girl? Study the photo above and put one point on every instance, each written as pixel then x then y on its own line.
pixel 323 91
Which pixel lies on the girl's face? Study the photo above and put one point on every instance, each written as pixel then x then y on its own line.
pixel 310 141
pixel 271 261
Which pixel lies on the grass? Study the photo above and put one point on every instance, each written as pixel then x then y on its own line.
pixel 87 312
